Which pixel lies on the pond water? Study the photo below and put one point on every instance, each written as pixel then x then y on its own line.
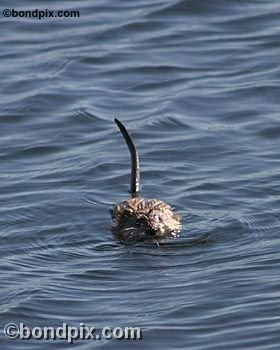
pixel 197 85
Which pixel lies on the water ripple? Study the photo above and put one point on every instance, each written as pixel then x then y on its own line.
pixel 196 83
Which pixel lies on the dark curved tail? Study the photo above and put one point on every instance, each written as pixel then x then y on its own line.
pixel 135 166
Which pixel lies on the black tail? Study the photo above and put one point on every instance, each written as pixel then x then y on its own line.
pixel 135 167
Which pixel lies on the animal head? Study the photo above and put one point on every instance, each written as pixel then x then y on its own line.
pixel 136 217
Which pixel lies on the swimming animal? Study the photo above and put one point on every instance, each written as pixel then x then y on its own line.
pixel 136 218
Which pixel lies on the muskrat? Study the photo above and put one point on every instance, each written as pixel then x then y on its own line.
pixel 136 218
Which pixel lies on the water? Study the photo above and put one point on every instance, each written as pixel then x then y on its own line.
pixel 197 84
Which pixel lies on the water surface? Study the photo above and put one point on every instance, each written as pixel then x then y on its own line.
pixel 197 84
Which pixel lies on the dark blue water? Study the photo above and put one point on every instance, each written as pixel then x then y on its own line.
pixel 197 84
